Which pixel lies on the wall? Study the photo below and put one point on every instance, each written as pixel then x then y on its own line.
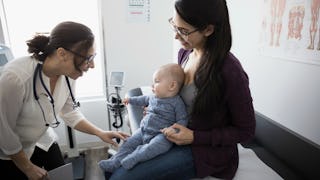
pixel 1 34
pixel 137 48
pixel 285 91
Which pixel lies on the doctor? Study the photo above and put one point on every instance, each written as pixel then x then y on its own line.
pixel 34 90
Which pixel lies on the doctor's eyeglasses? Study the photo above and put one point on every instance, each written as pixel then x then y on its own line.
pixel 183 32
pixel 88 59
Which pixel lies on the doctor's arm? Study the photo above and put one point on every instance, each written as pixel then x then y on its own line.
pixel 86 126
pixel 32 171
pixel 11 100
pixel 75 119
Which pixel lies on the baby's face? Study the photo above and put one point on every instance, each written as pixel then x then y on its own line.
pixel 161 84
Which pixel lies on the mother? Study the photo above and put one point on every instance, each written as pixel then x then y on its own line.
pixel 216 93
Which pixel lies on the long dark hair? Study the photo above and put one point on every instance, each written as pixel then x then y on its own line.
pixel 70 35
pixel 208 77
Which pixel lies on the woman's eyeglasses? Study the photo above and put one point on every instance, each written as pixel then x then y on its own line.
pixel 88 59
pixel 180 30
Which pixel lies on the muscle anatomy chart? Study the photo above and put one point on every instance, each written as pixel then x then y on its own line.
pixel 290 29
pixel 314 25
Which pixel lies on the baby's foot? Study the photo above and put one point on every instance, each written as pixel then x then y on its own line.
pixel 109 165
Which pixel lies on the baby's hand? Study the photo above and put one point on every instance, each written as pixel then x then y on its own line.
pixel 169 131
pixel 125 101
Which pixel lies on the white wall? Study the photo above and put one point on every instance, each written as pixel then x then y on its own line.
pixel 283 90
pixel 137 48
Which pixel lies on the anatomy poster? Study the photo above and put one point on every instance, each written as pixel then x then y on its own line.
pixel 290 29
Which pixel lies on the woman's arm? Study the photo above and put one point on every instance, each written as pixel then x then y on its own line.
pixel 86 126
pixel 32 171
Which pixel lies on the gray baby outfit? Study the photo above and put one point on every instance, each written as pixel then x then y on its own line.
pixel 148 142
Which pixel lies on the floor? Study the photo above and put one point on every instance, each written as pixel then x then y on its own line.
pixel 89 158
pixel 92 157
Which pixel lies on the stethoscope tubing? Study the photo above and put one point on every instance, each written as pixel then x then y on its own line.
pixel 38 72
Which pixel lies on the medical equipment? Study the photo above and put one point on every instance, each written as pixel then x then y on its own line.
pixel 117 108
pixel 115 105
pixel 114 102
pixel 75 103
pixel 48 95
pixel 5 56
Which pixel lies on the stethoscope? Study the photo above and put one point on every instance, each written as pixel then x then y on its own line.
pixel 38 71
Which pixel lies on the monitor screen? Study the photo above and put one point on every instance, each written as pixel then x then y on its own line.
pixel 116 79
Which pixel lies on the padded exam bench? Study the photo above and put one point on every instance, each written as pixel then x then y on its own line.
pixel 275 152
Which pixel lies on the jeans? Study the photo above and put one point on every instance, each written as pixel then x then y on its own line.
pixel 177 163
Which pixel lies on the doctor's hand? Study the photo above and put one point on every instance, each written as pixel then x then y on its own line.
pixel 36 173
pixel 108 136
pixel 178 134
pixel 32 171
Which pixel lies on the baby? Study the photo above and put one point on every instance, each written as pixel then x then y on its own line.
pixel 164 108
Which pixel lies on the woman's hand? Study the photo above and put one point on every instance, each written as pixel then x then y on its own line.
pixel 178 134
pixel 108 136
pixel 32 171
pixel 86 126
pixel 36 173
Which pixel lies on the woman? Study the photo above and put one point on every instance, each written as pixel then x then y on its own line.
pixel 216 93
pixel 33 90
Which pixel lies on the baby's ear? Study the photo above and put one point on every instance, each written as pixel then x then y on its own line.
pixel 173 85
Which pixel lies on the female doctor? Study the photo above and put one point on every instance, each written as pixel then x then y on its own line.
pixel 33 90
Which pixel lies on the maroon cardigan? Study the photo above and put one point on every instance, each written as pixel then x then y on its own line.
pixel 214 148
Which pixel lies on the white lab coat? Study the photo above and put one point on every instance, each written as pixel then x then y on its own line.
pixel 21 121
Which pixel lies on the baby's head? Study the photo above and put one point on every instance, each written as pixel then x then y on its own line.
pixel 167 80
